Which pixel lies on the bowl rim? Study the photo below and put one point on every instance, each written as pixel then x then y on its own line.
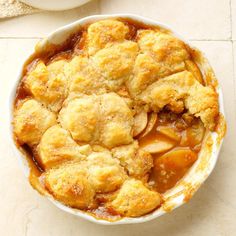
pixel 54 6
pixel 67 30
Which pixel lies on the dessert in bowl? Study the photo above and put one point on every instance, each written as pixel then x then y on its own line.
pixel 117 119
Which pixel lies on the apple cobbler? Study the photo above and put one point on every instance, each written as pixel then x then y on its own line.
pixel 114 117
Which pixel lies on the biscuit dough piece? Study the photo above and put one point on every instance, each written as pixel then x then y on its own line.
pixel 136 162
pixel 85 79
pixel 69 184
pixel 31 120
pixel 168 51
pixel 117 121
pixel 146 71
pixel 134 199
pixel 116 62
pixel 57 146
pixel 48 84
pixel 105 31
pixel 104 119
pixel 105 173
pixel 80 117
pixel 183 90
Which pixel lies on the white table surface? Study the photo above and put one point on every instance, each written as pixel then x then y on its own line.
pixel 211 26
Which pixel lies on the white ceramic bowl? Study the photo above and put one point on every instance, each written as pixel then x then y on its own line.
pixel 199 172
pixel 55 5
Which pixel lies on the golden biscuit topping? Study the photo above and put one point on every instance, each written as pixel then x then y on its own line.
pixel 115 120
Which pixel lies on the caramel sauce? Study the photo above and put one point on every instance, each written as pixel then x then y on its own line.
pixel 172 164
pixel 21 93
pixel 74 45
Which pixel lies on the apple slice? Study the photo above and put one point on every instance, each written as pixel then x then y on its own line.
pixel 184 139
pixel 157 146
pixel 140 122
pixel 152 119
pixel 177 159
pixel 195 133
pixel 193 68
pixel 171 167
pixel 169 132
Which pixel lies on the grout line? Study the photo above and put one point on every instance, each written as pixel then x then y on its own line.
pixel 214 40
pixel 231 22
pixel 234 63
pixel 12 37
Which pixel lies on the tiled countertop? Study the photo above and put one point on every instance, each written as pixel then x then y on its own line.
pixel 211 26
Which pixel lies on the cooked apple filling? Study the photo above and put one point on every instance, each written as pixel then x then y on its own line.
pixel 114 118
